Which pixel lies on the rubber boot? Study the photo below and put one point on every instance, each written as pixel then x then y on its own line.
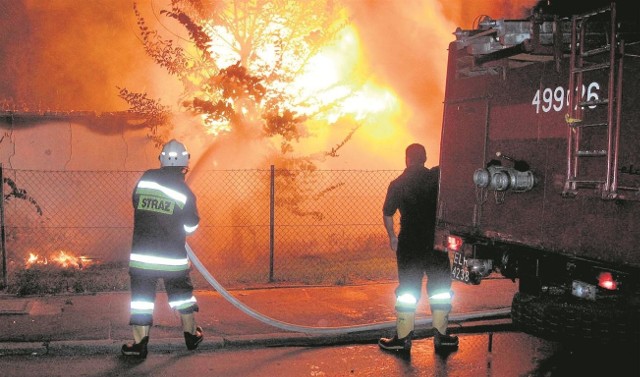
pixel 188 323
pixel 440 322
pixel 140 332
pixel 139 347
pixel 192 333
pixel 405 322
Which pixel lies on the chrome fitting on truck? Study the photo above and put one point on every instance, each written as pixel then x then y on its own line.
pixel 496 177
pixel 500 178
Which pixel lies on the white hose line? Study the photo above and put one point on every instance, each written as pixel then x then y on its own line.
pixel 499 313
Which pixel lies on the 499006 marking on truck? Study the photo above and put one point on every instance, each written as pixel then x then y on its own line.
pixel 556 99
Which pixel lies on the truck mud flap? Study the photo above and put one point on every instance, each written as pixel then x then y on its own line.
pixel 567 320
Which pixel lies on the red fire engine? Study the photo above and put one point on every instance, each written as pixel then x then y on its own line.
pixel 540 168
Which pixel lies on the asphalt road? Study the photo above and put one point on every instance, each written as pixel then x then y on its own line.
pixel 487 354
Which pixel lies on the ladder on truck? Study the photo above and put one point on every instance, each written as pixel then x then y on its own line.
pixel 608 59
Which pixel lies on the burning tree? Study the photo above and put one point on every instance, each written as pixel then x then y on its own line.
pixel 245 74
pixel 241 71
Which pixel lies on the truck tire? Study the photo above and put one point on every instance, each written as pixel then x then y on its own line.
pixel 568 320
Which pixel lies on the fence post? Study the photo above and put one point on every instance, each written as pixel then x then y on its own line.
pixel 271 221
pixel 2 234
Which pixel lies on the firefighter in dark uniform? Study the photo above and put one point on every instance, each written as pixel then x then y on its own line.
pixel 165 212
pixel 414 194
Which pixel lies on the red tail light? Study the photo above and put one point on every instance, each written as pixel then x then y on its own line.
pixel 454 243
pixel 606 281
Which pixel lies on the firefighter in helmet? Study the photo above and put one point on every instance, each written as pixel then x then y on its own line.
pixel 165 213
pixel 414 194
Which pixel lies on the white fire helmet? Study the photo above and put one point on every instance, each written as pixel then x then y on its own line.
pixel 174 153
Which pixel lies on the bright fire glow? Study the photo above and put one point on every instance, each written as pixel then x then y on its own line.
pixel 223 45
pixel 214 127
pixel 61 258
pixel 333 80
pixel 332 84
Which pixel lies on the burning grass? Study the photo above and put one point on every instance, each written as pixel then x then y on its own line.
pixel 63 273
pixel 40 279
pixel 61 258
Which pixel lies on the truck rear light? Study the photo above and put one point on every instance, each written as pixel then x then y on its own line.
pixel 606 281
pixel 454 243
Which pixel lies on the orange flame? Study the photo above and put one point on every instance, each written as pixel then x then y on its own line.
pixel 61 258
pixel 34 259
pixel 335 84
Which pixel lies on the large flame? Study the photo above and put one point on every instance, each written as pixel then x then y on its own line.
pixel 389 63
pixel 334 84
pixel 336 76
pixel 338 80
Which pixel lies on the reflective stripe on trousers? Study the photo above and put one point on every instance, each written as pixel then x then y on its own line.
pixel 151 262
pixel 142 307
pixel 183 304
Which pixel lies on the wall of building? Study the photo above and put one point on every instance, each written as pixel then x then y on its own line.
pixel 76 142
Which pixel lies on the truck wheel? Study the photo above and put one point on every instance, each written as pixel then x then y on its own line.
pixel 569 320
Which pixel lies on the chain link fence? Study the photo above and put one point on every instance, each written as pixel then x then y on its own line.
pixel 257 226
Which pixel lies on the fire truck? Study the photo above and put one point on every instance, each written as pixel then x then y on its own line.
pixel 540 168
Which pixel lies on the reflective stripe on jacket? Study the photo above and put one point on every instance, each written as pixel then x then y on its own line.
pixel 165 212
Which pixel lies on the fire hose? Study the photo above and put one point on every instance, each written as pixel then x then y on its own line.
pixel 484 315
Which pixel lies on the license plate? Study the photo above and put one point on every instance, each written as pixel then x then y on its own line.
pixel 459 268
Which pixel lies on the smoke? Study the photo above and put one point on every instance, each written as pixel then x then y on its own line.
pixel 70 55
pixel 67 55
pixel 405 43
pixel 465 13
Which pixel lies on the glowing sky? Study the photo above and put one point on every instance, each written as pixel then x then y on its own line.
pixel 68 55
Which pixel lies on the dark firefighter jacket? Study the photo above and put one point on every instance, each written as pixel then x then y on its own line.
pixel 165 212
